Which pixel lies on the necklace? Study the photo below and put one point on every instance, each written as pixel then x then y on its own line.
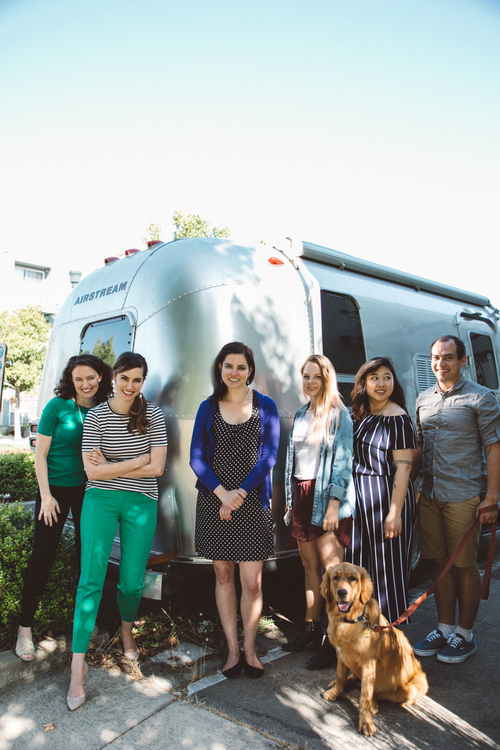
pixel 122 414
pixel 79 412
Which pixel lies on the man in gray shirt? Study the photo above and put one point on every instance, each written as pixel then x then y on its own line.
pixel 458 434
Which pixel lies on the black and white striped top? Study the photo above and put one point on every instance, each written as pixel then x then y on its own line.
pixel 107 430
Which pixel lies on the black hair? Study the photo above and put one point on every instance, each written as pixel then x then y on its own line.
pixel 65 387
pixel 458 343
pixel 234 347
pixel 360 402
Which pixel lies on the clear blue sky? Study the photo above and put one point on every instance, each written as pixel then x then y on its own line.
pixel 370 126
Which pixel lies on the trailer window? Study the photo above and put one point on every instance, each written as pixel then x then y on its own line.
pixel 342 335
pixel 108 338
pixel 484 360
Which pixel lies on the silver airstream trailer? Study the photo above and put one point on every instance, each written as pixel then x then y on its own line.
pixel 178 303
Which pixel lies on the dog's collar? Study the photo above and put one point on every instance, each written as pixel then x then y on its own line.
pixel 361 618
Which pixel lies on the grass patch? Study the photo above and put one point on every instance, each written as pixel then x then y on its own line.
pixel 188 616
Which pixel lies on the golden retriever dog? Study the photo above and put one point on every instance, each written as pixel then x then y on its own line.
pixel 383 661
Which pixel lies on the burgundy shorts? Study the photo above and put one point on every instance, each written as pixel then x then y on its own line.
pixel 302 528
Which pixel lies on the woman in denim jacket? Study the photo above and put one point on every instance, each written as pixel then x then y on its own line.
pixel 319 497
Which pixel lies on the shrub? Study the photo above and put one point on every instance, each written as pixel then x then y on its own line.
pixel 17 476
pixel 55 611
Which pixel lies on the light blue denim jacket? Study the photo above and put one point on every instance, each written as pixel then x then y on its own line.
pixel 334 478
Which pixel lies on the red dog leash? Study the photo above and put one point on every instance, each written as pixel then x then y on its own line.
pixel 485 588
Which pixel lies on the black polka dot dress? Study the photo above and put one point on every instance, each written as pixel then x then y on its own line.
pixel 249 534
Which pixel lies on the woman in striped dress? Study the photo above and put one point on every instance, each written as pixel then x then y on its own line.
pixel 124 449
pixel 384 439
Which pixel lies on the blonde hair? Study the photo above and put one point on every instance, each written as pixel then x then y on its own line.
pixel 328 399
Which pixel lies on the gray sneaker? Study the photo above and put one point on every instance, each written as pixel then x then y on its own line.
pixel 432 645
pixel 457 650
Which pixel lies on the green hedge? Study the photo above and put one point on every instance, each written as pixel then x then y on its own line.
pixel 17 476
pixel 55 611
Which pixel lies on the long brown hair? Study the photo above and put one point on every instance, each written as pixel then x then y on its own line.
pixel 138 420
pixel 328 399
pixel 360 402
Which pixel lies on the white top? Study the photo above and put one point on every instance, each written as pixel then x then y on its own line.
pixel 305 455
pixel 107 430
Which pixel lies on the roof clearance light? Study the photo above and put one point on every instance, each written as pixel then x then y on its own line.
pixel 111 259
pixel 276 261
pixel 155 242
pixel 132 251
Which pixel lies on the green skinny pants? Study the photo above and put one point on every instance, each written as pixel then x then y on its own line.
pixel 102 510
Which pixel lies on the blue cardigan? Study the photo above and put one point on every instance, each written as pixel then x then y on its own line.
pixel 203 449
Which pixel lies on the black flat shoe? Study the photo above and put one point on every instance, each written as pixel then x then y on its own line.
pixel 310 634
pixel 324 658
pixel 252 672
pixel 235 671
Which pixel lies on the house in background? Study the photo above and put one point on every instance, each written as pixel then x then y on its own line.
pixel 32 274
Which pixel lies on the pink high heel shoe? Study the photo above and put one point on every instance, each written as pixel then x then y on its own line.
pixel 79 700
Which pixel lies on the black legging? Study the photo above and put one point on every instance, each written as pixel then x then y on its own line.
pixel 45 547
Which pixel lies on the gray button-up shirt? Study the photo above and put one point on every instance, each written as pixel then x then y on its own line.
pixel 454 428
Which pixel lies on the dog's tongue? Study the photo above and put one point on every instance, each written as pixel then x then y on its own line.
pixel 344 606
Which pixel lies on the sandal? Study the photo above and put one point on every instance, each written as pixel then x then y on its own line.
pixel 25 648
pixel 132 655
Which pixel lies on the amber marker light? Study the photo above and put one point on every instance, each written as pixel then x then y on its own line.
pixel 275 261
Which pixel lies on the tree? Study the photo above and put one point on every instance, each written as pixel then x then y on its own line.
pixel 193 225
pixel 104 350
pixel 154 232
pixel 25 332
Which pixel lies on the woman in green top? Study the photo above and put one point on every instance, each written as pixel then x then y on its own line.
pixel 85 382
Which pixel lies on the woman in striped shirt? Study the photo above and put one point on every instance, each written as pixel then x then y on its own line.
pixel 384 439
pixel 124 450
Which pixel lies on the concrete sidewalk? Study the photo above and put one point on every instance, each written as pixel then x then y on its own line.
pixel 284 709
pixel 127 711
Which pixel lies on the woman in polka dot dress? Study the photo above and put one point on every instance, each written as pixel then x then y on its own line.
pixel 233 449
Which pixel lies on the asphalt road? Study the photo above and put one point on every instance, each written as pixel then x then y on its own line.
pixel 461 709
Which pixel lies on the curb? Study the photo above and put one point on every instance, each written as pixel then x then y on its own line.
pixel 56 652
pixel 51 652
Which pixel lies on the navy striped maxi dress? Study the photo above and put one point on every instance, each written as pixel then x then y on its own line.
pixel 387 560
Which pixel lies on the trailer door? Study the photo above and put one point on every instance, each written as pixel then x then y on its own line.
pixel 483 353
pixel 343 342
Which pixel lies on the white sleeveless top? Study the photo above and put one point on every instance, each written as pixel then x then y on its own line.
pixel 305 455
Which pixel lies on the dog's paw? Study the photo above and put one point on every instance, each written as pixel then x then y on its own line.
pixel 330 695
pixel 366 725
